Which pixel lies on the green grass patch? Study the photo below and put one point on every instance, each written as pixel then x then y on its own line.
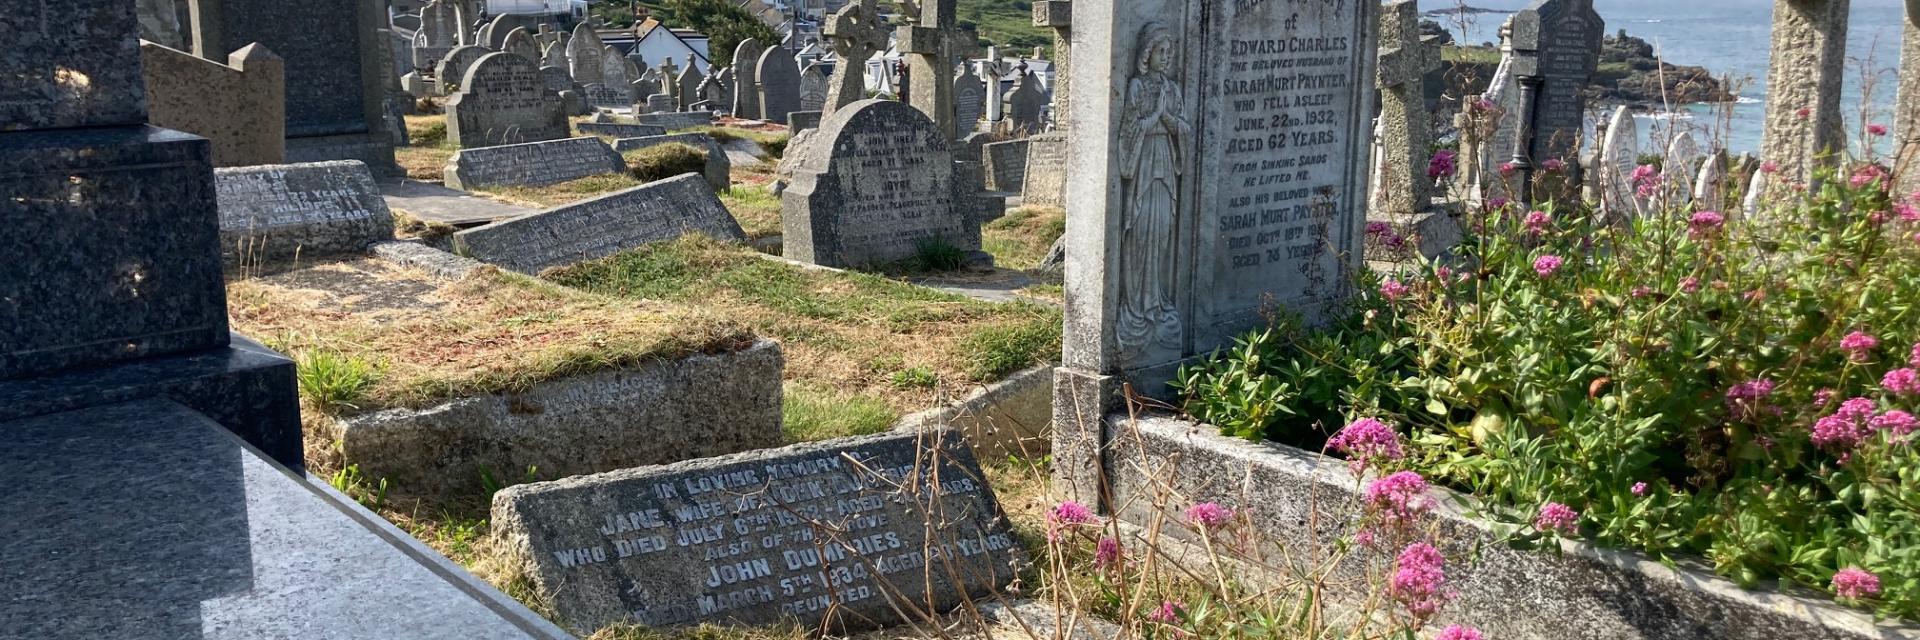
pixel 1021 239
pixel 757 209
pixel 812 413
pixel 569 192
pixel 993 352
pixel 662 161
pixel 332 381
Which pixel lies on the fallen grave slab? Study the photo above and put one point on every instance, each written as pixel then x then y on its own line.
pixel 676 120
pixel 851 531
pixel 602 226
pixel 532 164
pixel 275 213
pixel 619 130
pixel 436 203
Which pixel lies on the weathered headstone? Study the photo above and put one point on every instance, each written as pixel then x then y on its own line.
pixel 1026 104
pixel 620 129
pixel 453 68
pixel 1184 233
pixel 531 164
pixel 1005 164
pixel 799 121
pixel 1057 15
pixel 719 168
pixel 504 100
pixel 602 226
pixel 556 79
pixel 1804 83
pixel 275 213
pixel 520 42
pixel 718 89
pixel 876 187
pixel 555 55
pixel 857 32
pixel 779 78
pixel 1557 48
pixel 497 30
pixel 746 82
pixel 438 35
pixel 670 82
pixel 1710 186
pixel 991 72
pixel 676 121
pixel 1682 160
pixel 239 106
pixel 813 87
pixel 849 531
pixel 615 89
pixel 690 80
pixel 586 55
pixel 1619 156
pixel 1404 187
pixel 928 42
pixel 1045 182
pixel 969 101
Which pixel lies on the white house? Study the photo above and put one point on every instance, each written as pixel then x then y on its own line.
pixel 657 42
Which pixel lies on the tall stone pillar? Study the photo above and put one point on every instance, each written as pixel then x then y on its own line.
pixel 1804 81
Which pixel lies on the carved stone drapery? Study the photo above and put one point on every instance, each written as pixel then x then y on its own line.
pixel 1154 135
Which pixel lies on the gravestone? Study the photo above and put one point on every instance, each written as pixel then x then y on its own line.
pixel 690 80
pixel 423 57
pixel 670 83
pixel 1490 131
pixel 439 33
pixel 335 74
pixel 1619 156
pixel 746 82
pixel 1026 104
pixel 160 23
pixel 969 101
pixel 813 87
pixel 532 164
pixel 799 121
pixel 1557 47
pixel 1045 182
pixel 991 72
pixel 555 55
pixel 857 32
pixel 676 121
pixel 874 185
pixel 503 100
pixel 1057 16
pixel 453 68
pixel 1005 165
pixel 717 90
pixel 1805 76
pixel 779 80
pixel 615 90
pixel 1404 187
pixel 520 42
pixel 1710 186
pixel 927 43
pixel 556 79
pixel 496 32
pixel 1183 233
pixel 1683 153
pixel 718 170
pixel 619 129
pixel 848 531
pixel 1906 116
pixel 277 213
pixel 586 55
pixel 602 226
pixel 239 106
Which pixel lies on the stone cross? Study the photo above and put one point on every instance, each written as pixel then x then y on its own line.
pixel 928 42
pixel 1804 85
pixel 1906 117
pixel 991 72
pixel 1404 61
pixel 1058 15
pixel 857 32
pixel 670 80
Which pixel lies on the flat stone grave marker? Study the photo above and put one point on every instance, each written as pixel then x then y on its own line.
pixel 620 130
pixel 531 164
pixel 855 528
pixel 719 169
pixel 596 228
pixel 276 212
pixel 875 186
pixel 503 99
pixel 676 121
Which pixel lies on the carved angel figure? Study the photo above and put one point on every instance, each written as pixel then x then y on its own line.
pixel 1153 134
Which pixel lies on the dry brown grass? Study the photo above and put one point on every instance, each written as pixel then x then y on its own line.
pixel 1021 239
pixel 426 157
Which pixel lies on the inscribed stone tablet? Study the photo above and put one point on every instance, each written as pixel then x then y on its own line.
pixel 531 164
pixel 504 99
pixel 276 212
pixel 600 227
pixel 1045 182
pixel 875 525
pixel 620 130
pixel 877 188
pixel 452 67
pixel 72 63
pixel 1566 36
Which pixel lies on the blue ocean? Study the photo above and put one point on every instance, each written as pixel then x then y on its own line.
pixel 1731 39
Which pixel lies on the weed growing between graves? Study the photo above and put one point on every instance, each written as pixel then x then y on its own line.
pixel 1022 238
pixel 428 151
pixel 809 412
pixel 1690 383
pixel 756 207
pixel 408 227
pixel 491 332
pixel 568 192
pixel 850 332
pixel 663 161
pixel 773 142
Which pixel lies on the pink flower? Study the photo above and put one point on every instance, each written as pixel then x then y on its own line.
pixel 1769 167
pixel 1689 284
pixel 1457 632
pixel 1868 174
pixel 1068 515
pixel 1639 488
pixel 1506 169
pixel 1537 222
pixel 1558 518
pixel 1901 382
pixel 1854 583
pixel 1907 211
pixel 1376 227
pixel 1366 441
pixel 1441 165
pixel 1483 104
pixel 1746 400
pixel 1554 165
pixel 1392 289
pixel 1420 579
pixel 1804 113
pixel 1859 346
pixel 1705 224
pixel 1399 498
pixel 1846 427
pixel 1641 291
pixel 1544 265
pixel 1106 553
pixel 1497 203
pixel 1209 515
pixel 1897 421
pixel 1913 357
pixel 1646 180
pixel 1822 398
pixel 1168 613
pixel 1877 129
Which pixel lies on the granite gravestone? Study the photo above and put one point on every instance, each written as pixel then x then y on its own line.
pixel 1710 186
pixel 1026 104
pixel 874 185
pixel 620 130
pixel 857 32
pixel 719 168
pixel 600 227
pixel 615 89
pixel 676 121
pixel 813 87
pixel 239 106
pixel 846 532
pixel 504 100
pixel 453 68
pixel 520 42
pixel 1197 207
pixel 531 164
pixel 1045 182
pixel 1557 47
pixel 586 55
pixel 690 80
pixel 277 213
pixel 1403 188
pixel 926 43
pixel 1805 79
pixel 969 101
pixel 779 79
pixel 669 76
pixel 554 54
pixel 746 84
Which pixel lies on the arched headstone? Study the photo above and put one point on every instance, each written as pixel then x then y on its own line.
pixel 779 78
pixel 504 100
pixel 874 185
